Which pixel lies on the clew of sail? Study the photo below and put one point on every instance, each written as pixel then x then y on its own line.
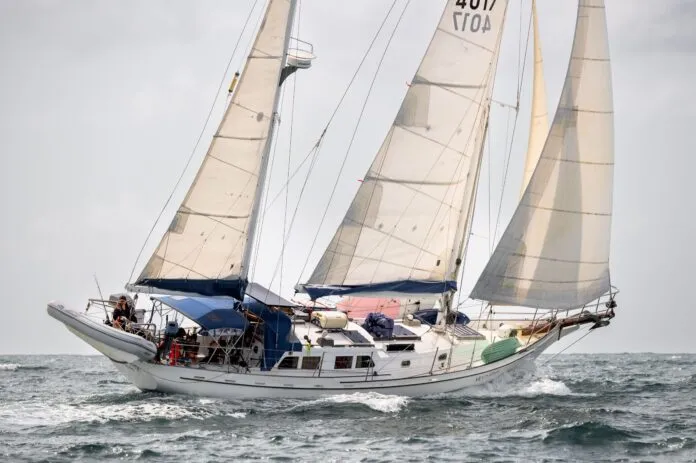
pixel 206 248
pixel 554 254
pixel 407 225
pixel 539 127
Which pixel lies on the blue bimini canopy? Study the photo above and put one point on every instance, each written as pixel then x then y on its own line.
pixel 209 312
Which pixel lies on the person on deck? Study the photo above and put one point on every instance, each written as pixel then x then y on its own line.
pixel 121 313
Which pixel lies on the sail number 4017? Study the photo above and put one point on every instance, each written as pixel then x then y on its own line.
pixel 474 22
pixel 475 4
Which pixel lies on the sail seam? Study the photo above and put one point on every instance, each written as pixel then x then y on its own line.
pixel 375 259
pixel 553 209
pixel 593 111
pixel 397 238
pixel 535 280
pixel 465 40
pixel 449 88
pixel 581 58
pixel 253 174
pixel 230 137
pixel 413 132
pixel 190 270
pixel 517 254
pixel 411 182
pixel 251 110
pixel 575 161
pixel 219 216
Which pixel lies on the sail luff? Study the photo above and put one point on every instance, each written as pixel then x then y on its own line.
pixel 539 124
pixel 403 232
pixel 554 254
pixel 266 152
pixel 206 248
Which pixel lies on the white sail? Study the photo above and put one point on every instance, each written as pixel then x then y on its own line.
pixel 406 228
pixel 539 126
pixel 206 249
pixel 554 254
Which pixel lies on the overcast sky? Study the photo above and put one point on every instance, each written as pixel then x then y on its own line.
pixel 101 103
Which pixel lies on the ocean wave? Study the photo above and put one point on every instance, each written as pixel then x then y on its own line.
pixel 33 415
pixel 373 400
pixel 588 433
pixel 538 387
pixel 17 366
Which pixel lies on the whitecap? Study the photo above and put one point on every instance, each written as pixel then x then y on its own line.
pixel 9 366
pixel 374 400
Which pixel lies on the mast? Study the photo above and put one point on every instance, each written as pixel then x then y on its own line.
pixel 266 152
pixel 207 248
pixel 405 230
pixel 554 254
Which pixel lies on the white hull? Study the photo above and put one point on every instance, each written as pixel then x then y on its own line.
pixel 213 383
pixel 131 355
pixel 116 344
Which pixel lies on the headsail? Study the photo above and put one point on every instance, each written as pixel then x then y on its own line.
pixel 406 228
pixel 539 126
pixel 554 254
pixel 206 249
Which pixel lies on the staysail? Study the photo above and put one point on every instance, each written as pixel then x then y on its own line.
pixel 554 254
pixel 406 227
pixel 206 249
pixel 539 126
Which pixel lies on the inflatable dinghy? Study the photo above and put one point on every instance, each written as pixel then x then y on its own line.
pixel 118 345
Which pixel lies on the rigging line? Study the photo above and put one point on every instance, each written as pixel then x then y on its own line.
pixel 490 198
pixel 345 157
pixel 287 176
pixel 198 141
pixel 487 76
pixel 568 347
pixel 316 149
pixel 514 131
pixel 255 240
pixel 401 216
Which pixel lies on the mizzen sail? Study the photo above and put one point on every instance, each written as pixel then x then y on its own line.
pixel 407 225
pixel 554 254
pixel 539 126
pixel 206 248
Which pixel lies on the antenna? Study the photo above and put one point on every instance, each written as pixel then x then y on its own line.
pixel 101 296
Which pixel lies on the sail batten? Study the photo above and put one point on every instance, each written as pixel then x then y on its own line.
pixel 554 254
pixel 405 229
pixel 206 249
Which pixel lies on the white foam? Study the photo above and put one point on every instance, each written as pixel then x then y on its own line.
pixel 55 414
pixel 546 386
pixel 376 401
pixel 525 388
pixel 9 366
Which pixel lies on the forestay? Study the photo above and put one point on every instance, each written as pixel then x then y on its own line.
pixel 554 254
pixel 206 249
pixel 405 229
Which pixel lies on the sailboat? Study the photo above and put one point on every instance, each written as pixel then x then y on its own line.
pixel 212 332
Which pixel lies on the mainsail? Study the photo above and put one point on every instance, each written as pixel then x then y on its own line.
pixel 554 254
pixel 207 247
pixel 539 126
pixel 407 226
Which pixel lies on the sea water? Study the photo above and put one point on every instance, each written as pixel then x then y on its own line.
pixel 624 407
